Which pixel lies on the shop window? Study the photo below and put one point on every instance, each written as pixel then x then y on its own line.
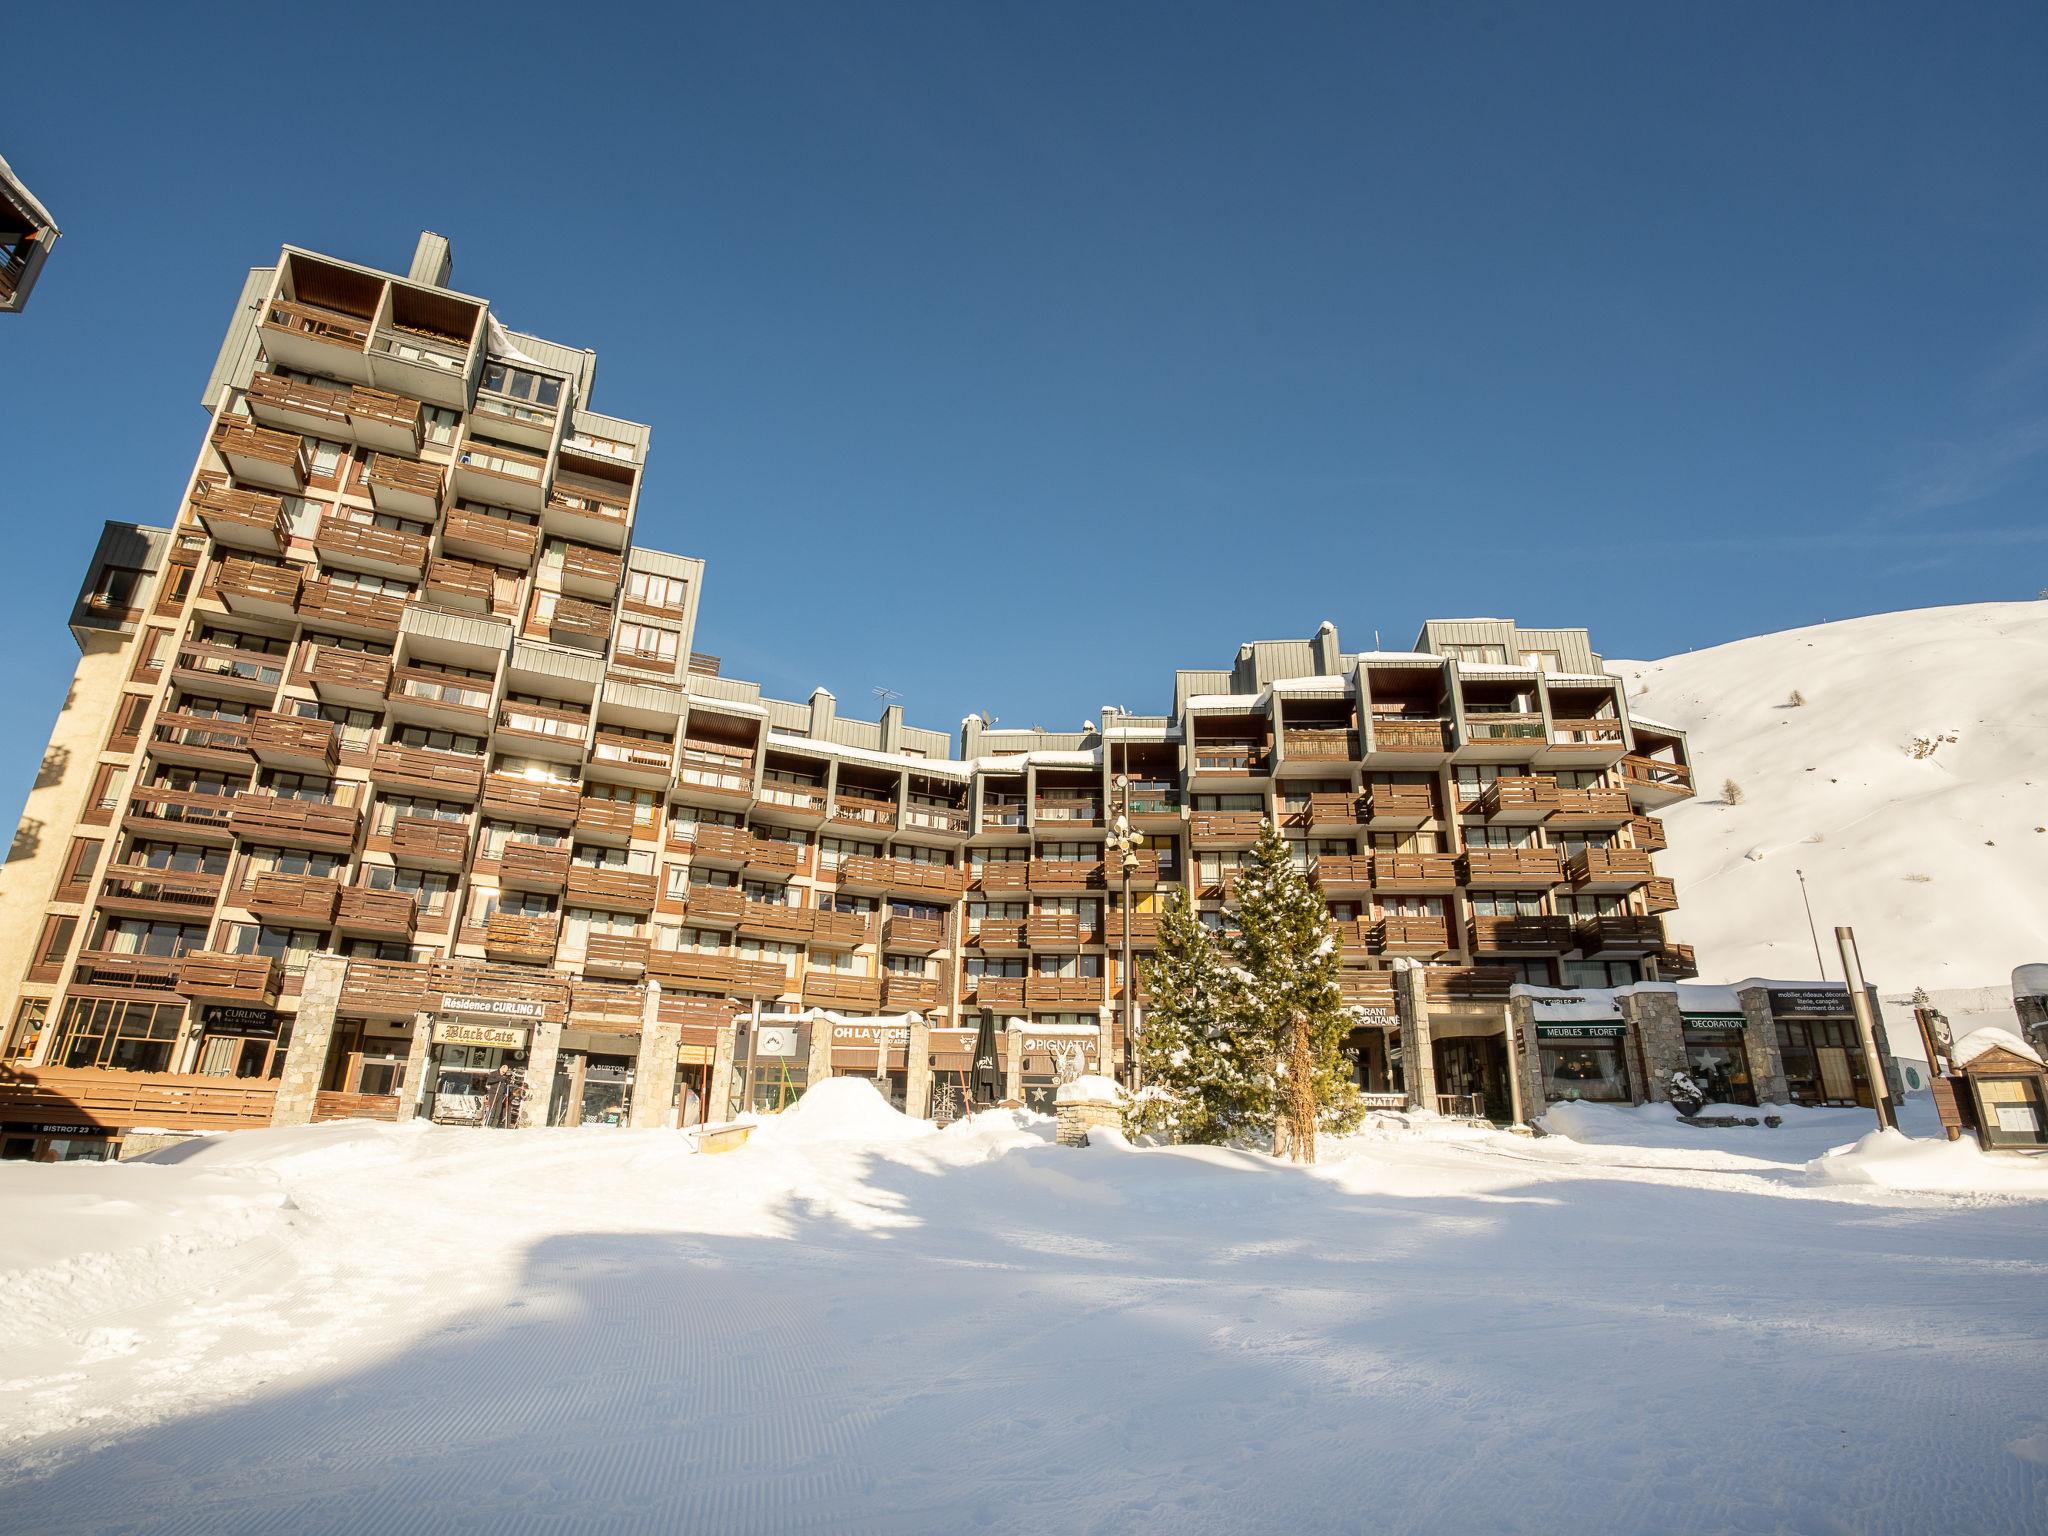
pixel 27 1029
pixel 121 1036
pixel 1576 1063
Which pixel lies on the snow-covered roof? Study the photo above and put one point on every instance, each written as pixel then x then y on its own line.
pixel 946 767
pixel 1992 1038
pixel 1226 700
pixel 1308 684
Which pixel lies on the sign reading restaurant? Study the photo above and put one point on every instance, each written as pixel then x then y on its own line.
pixel 504 1037
pixel 496 1007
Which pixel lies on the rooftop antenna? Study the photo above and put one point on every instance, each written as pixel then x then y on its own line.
pixel 1810 927
pixel 886 695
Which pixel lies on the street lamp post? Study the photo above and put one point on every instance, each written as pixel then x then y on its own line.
pixel 1126 846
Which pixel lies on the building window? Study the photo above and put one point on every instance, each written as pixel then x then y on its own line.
pixel 79 863
pixel 51 948
pixel 648 642
pixel 114 588
pixel 27 1029
pixel 655 591
pixel 1583 1065
pixel 124 1037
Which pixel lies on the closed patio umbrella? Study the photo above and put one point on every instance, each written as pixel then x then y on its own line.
pixel 986 1078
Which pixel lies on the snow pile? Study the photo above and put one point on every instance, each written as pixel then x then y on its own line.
pixel 1908 784
pixel 1089 1088
pixel 1993 1038
pixel 1890 1160
pixel 840 1109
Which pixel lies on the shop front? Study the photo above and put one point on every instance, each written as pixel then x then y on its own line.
pixel 1717 1057
pixel 1471 1059
pixel 1054 1054
pixel 1583 1061
pixel 463 1056
pixel 879 1051
pixel 770 1064
pixel 242 1042
pixel 593 1079
pixel 1820 1046
pixel 31 1141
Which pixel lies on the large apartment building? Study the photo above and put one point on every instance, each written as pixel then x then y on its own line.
pixel 27 235
pixel 392 761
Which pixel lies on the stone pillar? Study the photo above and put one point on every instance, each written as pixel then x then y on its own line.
pixel 1526 1063
pixel 1660 1032
pixel 718 1108
pixel 818 1066
pixel 546 1045
pixel 1111 1059
pixel 1760 1038
pixel 1418 1062
pixel 654 1070
pixel 1013 1061
pixel 917 1081
pixel 305 1063
pixel 415 1083
pixel 1518 1098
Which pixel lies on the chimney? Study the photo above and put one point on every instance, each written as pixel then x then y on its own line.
pixel 1326 650
pixel 432 260
pixel 823 708
pixel 892 728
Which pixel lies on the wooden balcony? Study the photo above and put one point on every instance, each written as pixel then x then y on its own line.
pixel 1521 800
pixel 301 333
pixel 376 914
pixel 561 734
pixel 510 936
pixel 1354 938
pixel 758 978
pixel 594 572
pixel 179 814
pixel 1660 895
pixel 251 587
pixel 1144 930
pixel 1393 806
pixel 385 989
pixel 1063 991
pixel 950 820
pixel 533 867
pixel 1004 815
pixel 1318 744
pixel 501 475
pixel 1225 829
pixel 1053 930
pixel 405 487
pixel 905 993
pixel 1521 935
pixel 579 511
pixel 1611 869
pixel 611 889
pixel 1592 809
pixel 1624 934
pixel 713 775
pixel 1007 877
pixel 1595 739
pixel 1147 868
pixel 431 696
pixel 996 991
pixel 454 583
pixel 1520 867
pixel 615 954
pixel 342 676
pixel 352 414
pixel 104 970
pixel 114 1100
pixel 1339 872
pixel 1002 935
pixel 541 801
pixel 902 877
pixel 1372 990
pixel 830 989
pixel 258 456
pixel 607 1007
pixel 210 976
pixel 294 901
pixel 774 857
pixel 366 547
pixel 587 626
pixel 607 821
pixel 493 540
pixel 641 756
pixel 913 935
pixel 1329 809
pixel 717 846
pixel 1420 738
pixel 175 895
pixel 425 772
pixel 239 519
pixel 1056 811
pixel 428 842
pixel 201 741
pixel 691 968
pixel 838 930
pixel 1677 962
pixel 294 742
pixel 714 906
pixel 1227 759
pixel 1411 935
pixel 329 1105
pixel 326 604
pixel 1060 875
pixel 1651 782
pixel 863 811
pixel 1414 871
pixel 776 920
pixel 1646 833
pixel 291 823
pixel 1486 735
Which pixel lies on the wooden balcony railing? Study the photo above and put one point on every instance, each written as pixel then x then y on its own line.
pixel 581 562
pixel 502 463
pixel 379 914
pixel 543 722
pixel 606 819
pixel 1003 815
pixel 608 1006
pixel 1318 744
pixel 1621 933
pixel 863 810
pixel 534 866
pixel 105 969
pixel 243 583
pixel 190 735
pixel 1513 866
pixel 1660 895
pixel 178 813
pixel 1595 735
pixel 610 888
pixel 1053 930
pixel 935 818
pixel 385 988
pixel 1646 833
pixel 294 901
pixel 1412 935
pixel 1498 729
pixel 114 1100
pixel 1677 962
pixel 437 775
pixel 838 930
pixel 329 604
pixel 469 697
pixel 907 992
pixel 1531 797
pixel 460 583
pixel 246 519
pixel 714 906
pixel 905 877
pixel 429 841
pixel 354 672
pixel 257 453
pixel 1549 935
pixel 1611 866
pixel 1398 735
pixel 920 935
pixel 1063 991
pixel 1400 802
pixel 350 410
pixel 996 991
pixel 631 751
pixel 1005 876
pixel 578 622
pixel 1367 989
pixel 511 936
pixel 293 823
pixel 710 842
pixel 831 989
pixel 538 800
pixel 177 894
pixel 1344 871
pixel 1595 807
pixel 1354 937
pixel 586 503
pixel 776 920
pixel 774 856
pixel 1235 828
pixel 720 772
pixel 1001 934
pixel 350 332
pixel 1066 875
pixel 615 954
pixel 500 540
pixel 344 539
pixel 293 741
pixel 1075 810
pixel 223 978
pixel 1414 870
pixel 1332 808
pixel 1653 773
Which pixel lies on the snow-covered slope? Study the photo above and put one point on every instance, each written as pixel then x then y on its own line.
pixel 1911 786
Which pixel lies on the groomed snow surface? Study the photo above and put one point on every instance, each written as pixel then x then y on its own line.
pixel 856 1323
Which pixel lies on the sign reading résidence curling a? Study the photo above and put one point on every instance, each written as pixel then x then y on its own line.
pixel 496 1007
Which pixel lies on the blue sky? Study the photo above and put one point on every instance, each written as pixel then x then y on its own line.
pixel 1119 333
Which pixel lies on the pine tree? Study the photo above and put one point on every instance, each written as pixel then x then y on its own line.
pixel 1293 1007
pixel 1197 1084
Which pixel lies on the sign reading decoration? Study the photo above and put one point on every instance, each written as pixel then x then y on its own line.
pixel 505 1037
pixel 1715 1023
